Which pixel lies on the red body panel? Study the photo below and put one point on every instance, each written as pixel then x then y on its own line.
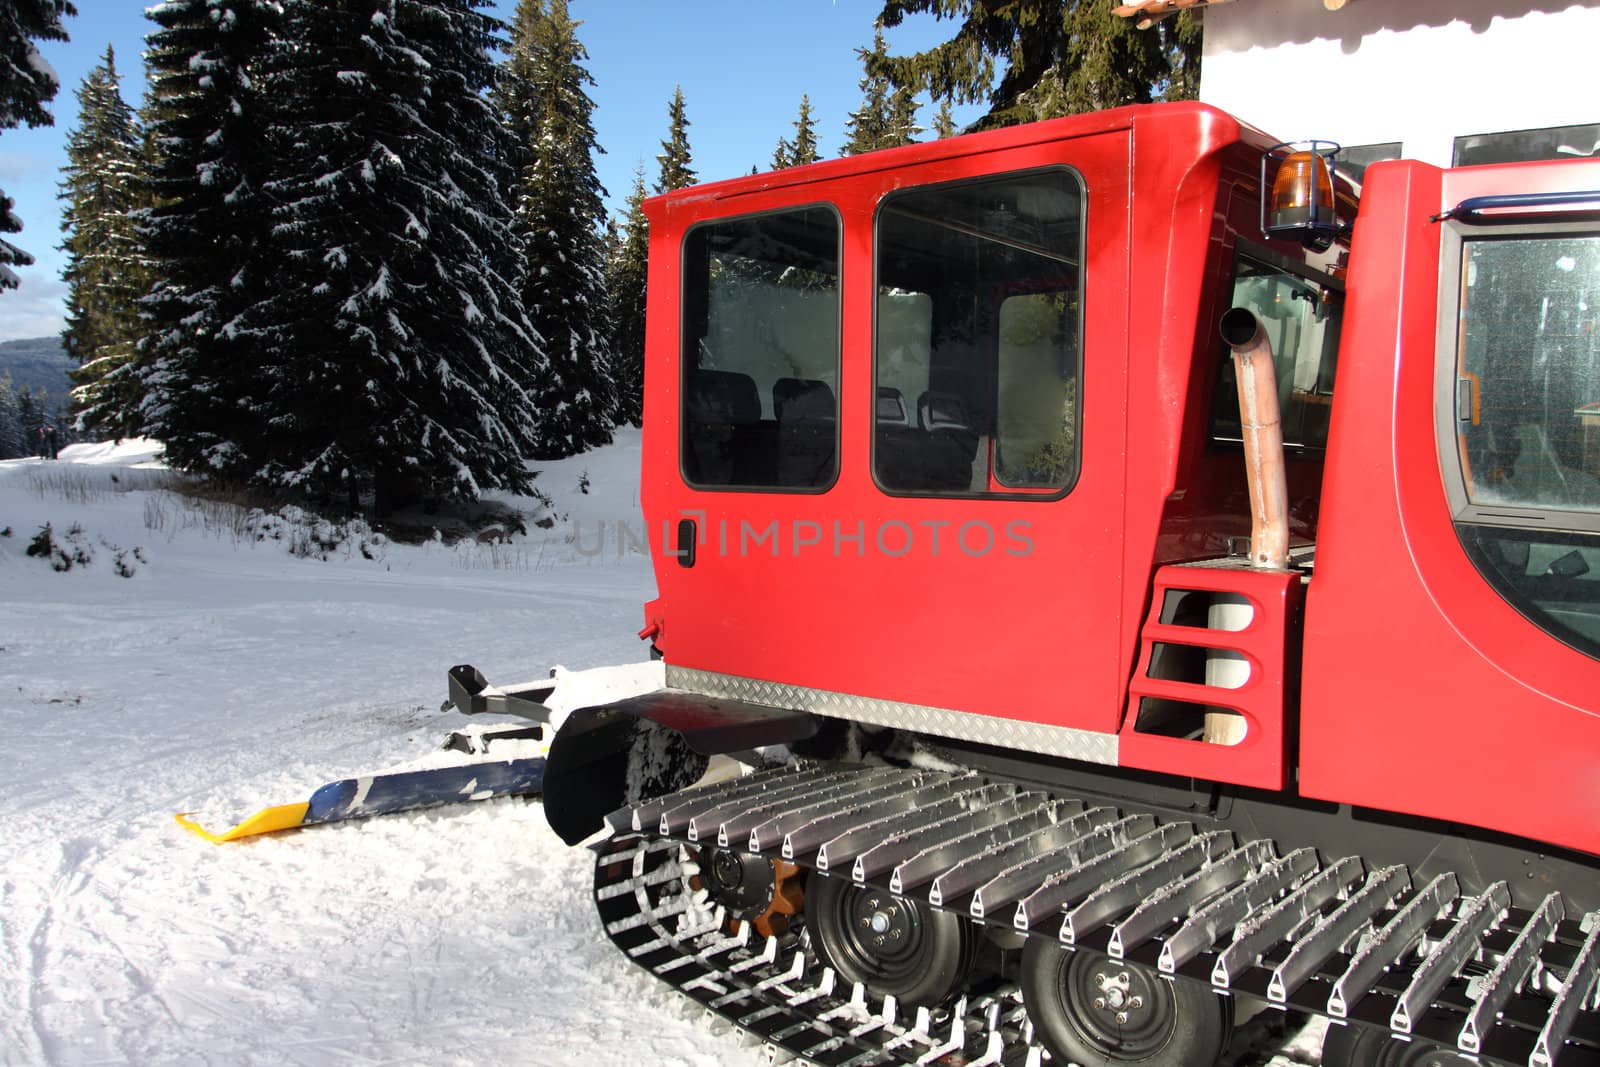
pixel 1261 758
pixel 1044 626
pixel 1425 692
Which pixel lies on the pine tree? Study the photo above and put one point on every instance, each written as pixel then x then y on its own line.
pixel 27 85
pixel 103 186
pixel 674 159
pixel 1058 58
pixel 944 123
pixel 515 98
pixel 888 114
pixel 866 125
pixel 400 360
pixel 627 274
pixel 902 125
pixel 11 436
pixel 212 146
pixel 30 420
pixel 1182 47
pixel 558 230
pixel 803 149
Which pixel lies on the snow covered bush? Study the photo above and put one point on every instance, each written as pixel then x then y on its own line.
pixel 63 552
pixel 309 536
pixel 122 561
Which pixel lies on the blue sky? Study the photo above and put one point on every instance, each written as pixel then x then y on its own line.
pixel 743 65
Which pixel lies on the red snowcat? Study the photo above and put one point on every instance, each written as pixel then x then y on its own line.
pixel 1111 569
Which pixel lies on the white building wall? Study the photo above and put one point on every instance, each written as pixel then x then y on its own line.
pixel 1421 72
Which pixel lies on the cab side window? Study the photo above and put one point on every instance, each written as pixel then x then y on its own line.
pixel 761 352
pixel 977 356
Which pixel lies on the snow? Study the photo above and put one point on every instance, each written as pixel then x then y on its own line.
pixel 139 453
pixel 225 675
pixel 41 66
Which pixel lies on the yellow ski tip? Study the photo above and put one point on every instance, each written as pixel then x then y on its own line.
pixel 265 821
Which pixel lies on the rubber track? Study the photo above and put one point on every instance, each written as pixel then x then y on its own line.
pixel 1369 947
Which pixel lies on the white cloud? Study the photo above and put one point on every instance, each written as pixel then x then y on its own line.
pixel 36 309
pixel 17 165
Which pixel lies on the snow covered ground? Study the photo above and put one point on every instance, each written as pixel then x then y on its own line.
pixel 226 674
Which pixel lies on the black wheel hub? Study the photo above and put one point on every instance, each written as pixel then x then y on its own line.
pixel 738 881
pixel 881 933
pixel 891 945
pixel 1123 1011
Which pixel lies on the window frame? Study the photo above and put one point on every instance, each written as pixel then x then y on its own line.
pixel 838 351
pixel 1047 494
pixel 1447 357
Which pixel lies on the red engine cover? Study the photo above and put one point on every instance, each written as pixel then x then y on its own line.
pixel 1424 691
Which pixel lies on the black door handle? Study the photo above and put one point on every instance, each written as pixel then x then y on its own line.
pixel 686 540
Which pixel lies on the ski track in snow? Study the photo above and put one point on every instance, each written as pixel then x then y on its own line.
pixel 227 676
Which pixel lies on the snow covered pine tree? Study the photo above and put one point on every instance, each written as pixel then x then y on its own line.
pixel 13 442
pixel 208 119
pixel 626 277
pixel 402 362
pixel 803 149
pixel 558 230
pixel 103 186
pixel 675 159
pixel 887 117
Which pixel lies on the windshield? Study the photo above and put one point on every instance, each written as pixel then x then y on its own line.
pixel 1527 425
pixel 1529 404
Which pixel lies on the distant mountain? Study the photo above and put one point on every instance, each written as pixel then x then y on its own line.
pixel 38 363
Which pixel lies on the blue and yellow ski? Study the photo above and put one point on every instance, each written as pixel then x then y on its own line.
pixel 383 794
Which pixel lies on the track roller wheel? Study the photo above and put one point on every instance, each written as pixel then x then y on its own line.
pixel 765 893
pixel 1093 1010
pixel 1358 1046
pixel 889 944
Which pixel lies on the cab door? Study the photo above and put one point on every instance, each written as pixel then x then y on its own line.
pixel 899 447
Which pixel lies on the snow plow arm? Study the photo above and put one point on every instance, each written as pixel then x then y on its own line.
pixel 471 694
pixel 612 726
pixel 550 700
